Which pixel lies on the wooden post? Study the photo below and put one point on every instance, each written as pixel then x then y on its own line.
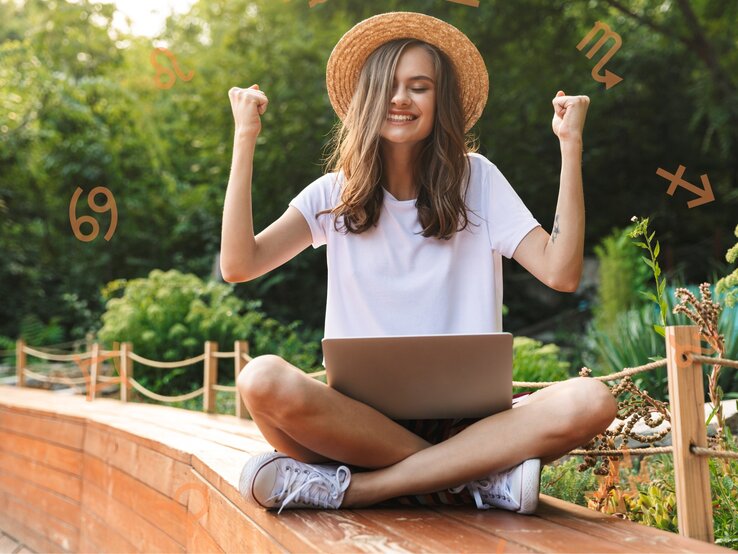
pixel 240 348
pixel 20 362
pixel 92 385
pixel 210 376
pixel 126 369
pixel 687 398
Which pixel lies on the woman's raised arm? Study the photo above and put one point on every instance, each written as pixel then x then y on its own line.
pixel 242 255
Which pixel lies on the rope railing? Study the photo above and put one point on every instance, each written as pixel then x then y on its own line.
pixel 225 388
pixel 628 371
pixel 160 397
pixel 167 365
pixel 622 452
pixel 711 452
pixel 123 357
pixel 712 361
pixel 56 379
pixel 56 357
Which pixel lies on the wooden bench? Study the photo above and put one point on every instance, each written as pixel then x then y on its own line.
pixel 106 476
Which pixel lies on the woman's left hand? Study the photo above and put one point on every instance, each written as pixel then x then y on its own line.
pixel 569 115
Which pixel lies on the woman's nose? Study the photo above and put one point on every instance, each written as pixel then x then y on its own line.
pixel 400 95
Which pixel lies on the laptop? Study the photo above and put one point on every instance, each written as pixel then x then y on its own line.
pixel 424 376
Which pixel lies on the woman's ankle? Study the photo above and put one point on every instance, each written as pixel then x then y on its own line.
pixel 356 495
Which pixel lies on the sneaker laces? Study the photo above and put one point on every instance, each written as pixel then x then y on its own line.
pixel 313 487
pixel 495 486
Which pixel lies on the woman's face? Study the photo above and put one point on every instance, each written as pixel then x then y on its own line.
pixel 413 92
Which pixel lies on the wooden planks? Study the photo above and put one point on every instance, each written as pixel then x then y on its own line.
pixel 61 432
pixel 125 477
pixel 40 485
pixel 44 534
pixel 8 545
pixel 633 537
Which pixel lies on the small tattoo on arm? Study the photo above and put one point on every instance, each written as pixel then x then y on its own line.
pixel 556 229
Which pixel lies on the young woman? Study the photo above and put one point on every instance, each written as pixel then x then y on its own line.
pixel 414 222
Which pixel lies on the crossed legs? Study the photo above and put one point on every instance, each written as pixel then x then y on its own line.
pixel 313 423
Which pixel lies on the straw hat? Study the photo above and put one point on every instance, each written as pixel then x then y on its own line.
pixel 355 46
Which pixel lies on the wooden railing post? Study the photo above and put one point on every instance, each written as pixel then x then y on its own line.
pixel 20 362
pixel 126 369
pixel 687 398
pixel 92 385
pixel 240 348
pixel 210 376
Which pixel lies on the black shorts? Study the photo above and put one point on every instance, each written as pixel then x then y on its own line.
pixel 438 430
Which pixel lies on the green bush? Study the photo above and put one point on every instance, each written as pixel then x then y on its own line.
pixel 169 315
pixel 729 284
pixel 631 341
pixel 655 504
pixel 652 500
pixel 563 480
pixel 533 361
pixel 621 276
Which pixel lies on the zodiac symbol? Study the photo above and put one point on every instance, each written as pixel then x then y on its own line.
pixel 199 487
pixel 160 69
pixel 77 222
pixel 609 78
pixel 84 364
pixel 705 193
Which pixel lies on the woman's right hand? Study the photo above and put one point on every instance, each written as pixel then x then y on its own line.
pixel 248 104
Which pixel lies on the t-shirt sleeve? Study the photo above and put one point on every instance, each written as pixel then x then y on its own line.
pixel 311 200
pixel 508 218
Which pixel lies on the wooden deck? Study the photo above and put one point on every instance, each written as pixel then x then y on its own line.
pixel 106 476
pixel 9 545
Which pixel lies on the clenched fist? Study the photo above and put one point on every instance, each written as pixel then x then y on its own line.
pixel 569 115
pixel 248 104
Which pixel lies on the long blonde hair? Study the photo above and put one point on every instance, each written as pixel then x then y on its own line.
pixel 442 169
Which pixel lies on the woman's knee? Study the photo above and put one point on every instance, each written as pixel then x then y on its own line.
pixel 589 402
pixel 266 379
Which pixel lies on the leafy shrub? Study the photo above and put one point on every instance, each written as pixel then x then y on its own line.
pixel 644 491
pixel 533 361
pixel 561 479
pixel 631 341
pixel 729 284
pixel 655 502
pixel 621 275
pixel 169 315
pixel 36 333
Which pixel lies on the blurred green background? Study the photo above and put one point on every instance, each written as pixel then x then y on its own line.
pixel 79 107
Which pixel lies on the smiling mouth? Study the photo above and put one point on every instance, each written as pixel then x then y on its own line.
pixel 401 121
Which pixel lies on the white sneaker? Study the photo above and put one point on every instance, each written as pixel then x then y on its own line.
pixel 515 489
pixel 272 478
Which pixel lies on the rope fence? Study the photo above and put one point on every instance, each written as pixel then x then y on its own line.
pixel 686 392
pixel 92 379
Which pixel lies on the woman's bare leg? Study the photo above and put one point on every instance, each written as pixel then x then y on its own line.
pixel 568 415
pixel 311 422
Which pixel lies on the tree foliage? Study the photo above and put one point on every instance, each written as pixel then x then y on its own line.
pixel 79 108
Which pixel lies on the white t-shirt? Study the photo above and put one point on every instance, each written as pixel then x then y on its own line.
pixel 390 280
